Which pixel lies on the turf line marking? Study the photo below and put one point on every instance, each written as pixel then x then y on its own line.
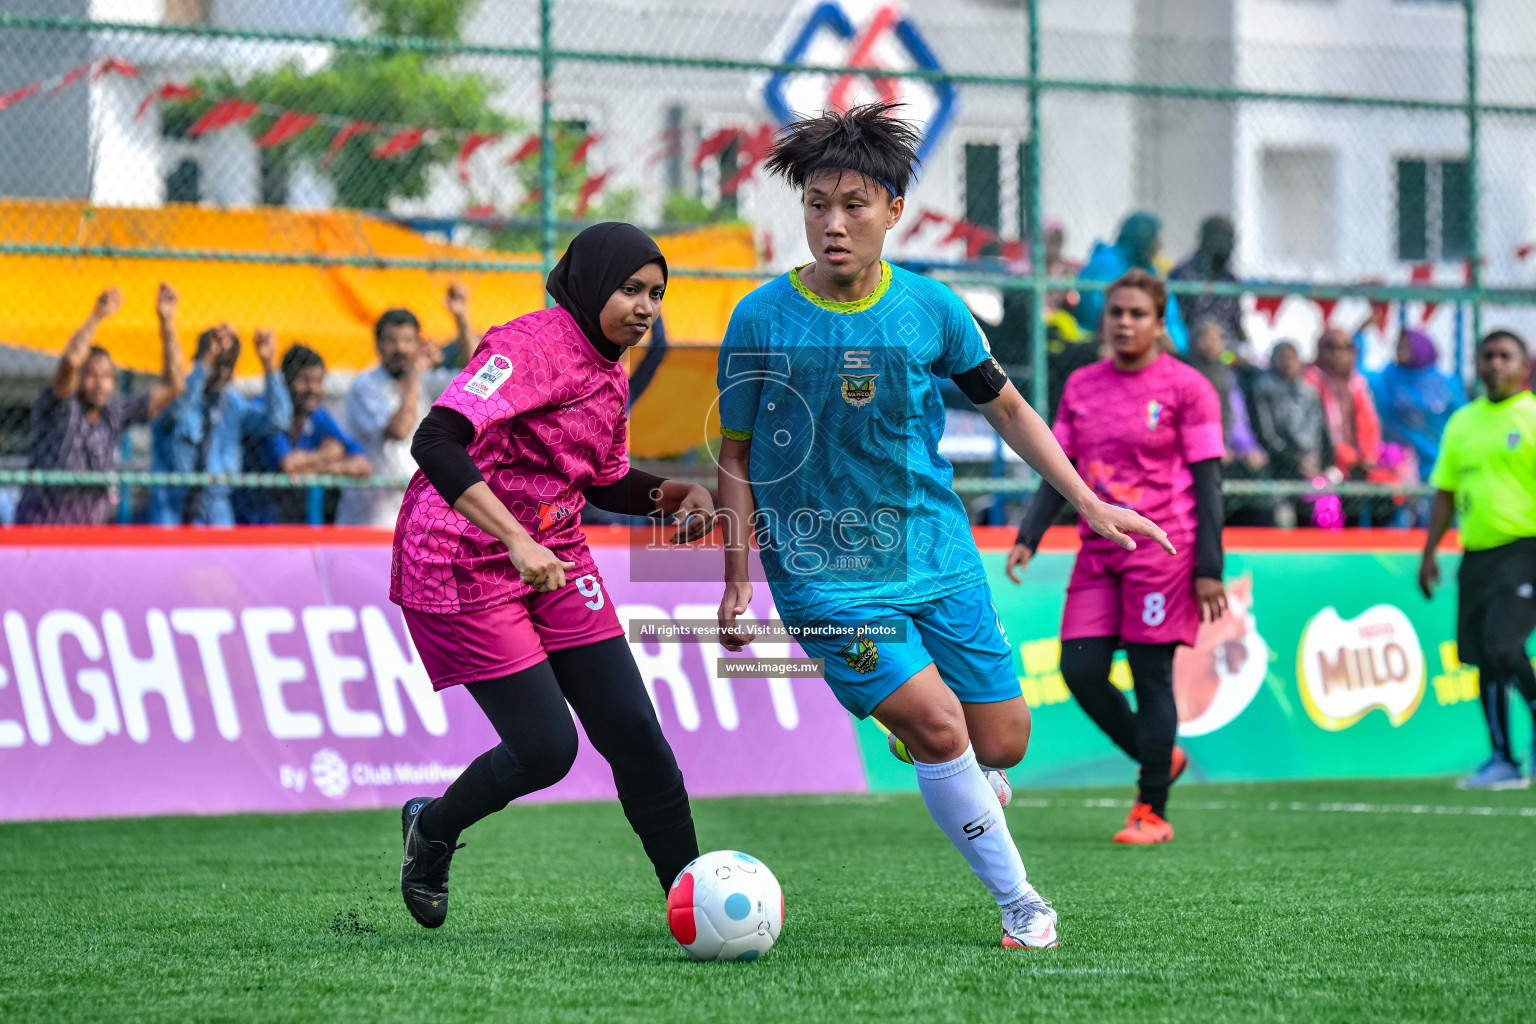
pixel 1323 808
pixel 1086 970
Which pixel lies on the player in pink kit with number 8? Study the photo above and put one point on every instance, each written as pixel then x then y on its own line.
pixel 490 565
pixel 1144 431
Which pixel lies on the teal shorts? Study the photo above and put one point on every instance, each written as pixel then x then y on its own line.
pixel 960 633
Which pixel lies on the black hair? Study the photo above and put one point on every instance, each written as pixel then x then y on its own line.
pixel 394 318
pixel 97 351
pixel 1287 344
pixel 865 139
pixel 297 359
pixel 205 342
pixel 1505 332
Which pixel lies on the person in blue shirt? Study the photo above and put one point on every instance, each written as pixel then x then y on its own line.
pixel 1415 399
pixel 831 416
pixel 204 429
pixel 1140 240
pixel 315 444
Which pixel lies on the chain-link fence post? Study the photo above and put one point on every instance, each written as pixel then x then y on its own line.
pixel 546 143
pixel 1474 233
pixel 1039 390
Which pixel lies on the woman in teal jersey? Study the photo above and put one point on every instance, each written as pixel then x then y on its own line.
pixel 831 420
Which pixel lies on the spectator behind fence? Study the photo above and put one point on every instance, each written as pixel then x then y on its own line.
pixel 1210 355
pixel 1289 416
pixel 78 420
pixel 1058 265
pixel 1212 261
pixel 1138 245
pixel 313 445
pixel 1349 411
pixel 204 429
pixel 1416 399
pixel 385 404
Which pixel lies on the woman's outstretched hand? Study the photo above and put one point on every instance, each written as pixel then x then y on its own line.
pixel 1118 524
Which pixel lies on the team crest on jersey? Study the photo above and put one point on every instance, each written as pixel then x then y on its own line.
pixel 861 654
pixel 1154 412
pixel 552 512
pixel 490 377
pixel 1513 440
pixel 858 391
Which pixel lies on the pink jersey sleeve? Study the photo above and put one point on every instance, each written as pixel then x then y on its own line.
pixel 496 385
pixel 616 463
pixel 1062 428
pixel 1200 433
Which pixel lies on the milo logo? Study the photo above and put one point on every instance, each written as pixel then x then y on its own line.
pixel 1347 667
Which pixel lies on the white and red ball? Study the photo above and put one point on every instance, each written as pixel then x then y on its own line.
pixel 725 905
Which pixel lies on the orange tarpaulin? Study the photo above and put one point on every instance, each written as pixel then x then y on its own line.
pixel 331 309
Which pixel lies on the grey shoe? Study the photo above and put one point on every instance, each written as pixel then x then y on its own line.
pixel 1496 773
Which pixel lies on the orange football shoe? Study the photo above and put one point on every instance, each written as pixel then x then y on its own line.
pixel 1176 768
pixel 1144 827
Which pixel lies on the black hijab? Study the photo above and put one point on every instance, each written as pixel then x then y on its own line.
pixel 599 260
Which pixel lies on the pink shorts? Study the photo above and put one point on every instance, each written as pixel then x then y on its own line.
pixel 471 647
pixel 1146 596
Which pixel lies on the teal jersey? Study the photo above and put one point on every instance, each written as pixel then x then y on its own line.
pixel 841 404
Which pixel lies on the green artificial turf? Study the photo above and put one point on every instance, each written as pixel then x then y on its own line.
pixel 1267 907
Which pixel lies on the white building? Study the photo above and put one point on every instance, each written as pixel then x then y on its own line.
pixel 1319 192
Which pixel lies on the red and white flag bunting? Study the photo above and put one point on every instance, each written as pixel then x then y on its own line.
pixel 94 69
pixel 287 125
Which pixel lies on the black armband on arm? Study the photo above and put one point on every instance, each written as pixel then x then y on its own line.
pixel 633 494
pixel 982 383
pixel 1042 513
pixel 440 449
pixel 1209 559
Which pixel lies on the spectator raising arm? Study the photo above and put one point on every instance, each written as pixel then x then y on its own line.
pixel 402 424
pixel 67 377
pixel 275 412
pixel 172 378
pixel 457 352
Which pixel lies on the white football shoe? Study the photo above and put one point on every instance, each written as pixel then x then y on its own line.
pixel 1029 922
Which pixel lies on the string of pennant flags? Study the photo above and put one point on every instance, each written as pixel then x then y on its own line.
pixel 752 145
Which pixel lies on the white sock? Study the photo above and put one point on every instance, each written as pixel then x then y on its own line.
pixel 962 802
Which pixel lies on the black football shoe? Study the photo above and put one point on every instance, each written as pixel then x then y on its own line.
pixel 424 871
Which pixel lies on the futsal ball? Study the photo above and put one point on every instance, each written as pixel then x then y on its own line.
pixel 725 906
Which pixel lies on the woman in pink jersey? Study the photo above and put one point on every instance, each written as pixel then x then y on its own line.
pixel 492 570
pixel 1144 430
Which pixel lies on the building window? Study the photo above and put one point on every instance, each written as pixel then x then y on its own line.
pixel 184 184
pixel 274 178
pixel 984 189
pixel 674 148
pixel 1297 195
pixel 730 205
pixel 984 185
pixel 1434 216
pixel 1024 189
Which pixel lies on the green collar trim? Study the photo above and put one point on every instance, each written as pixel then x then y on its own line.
pixel 857 306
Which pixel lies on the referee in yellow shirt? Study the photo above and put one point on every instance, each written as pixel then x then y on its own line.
pixel 1486 474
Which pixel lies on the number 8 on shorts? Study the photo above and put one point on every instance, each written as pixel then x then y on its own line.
pixel 1154 609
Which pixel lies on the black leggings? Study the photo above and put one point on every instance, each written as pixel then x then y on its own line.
pixel 1147 735
pixel 1495 700
pixel 538 746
